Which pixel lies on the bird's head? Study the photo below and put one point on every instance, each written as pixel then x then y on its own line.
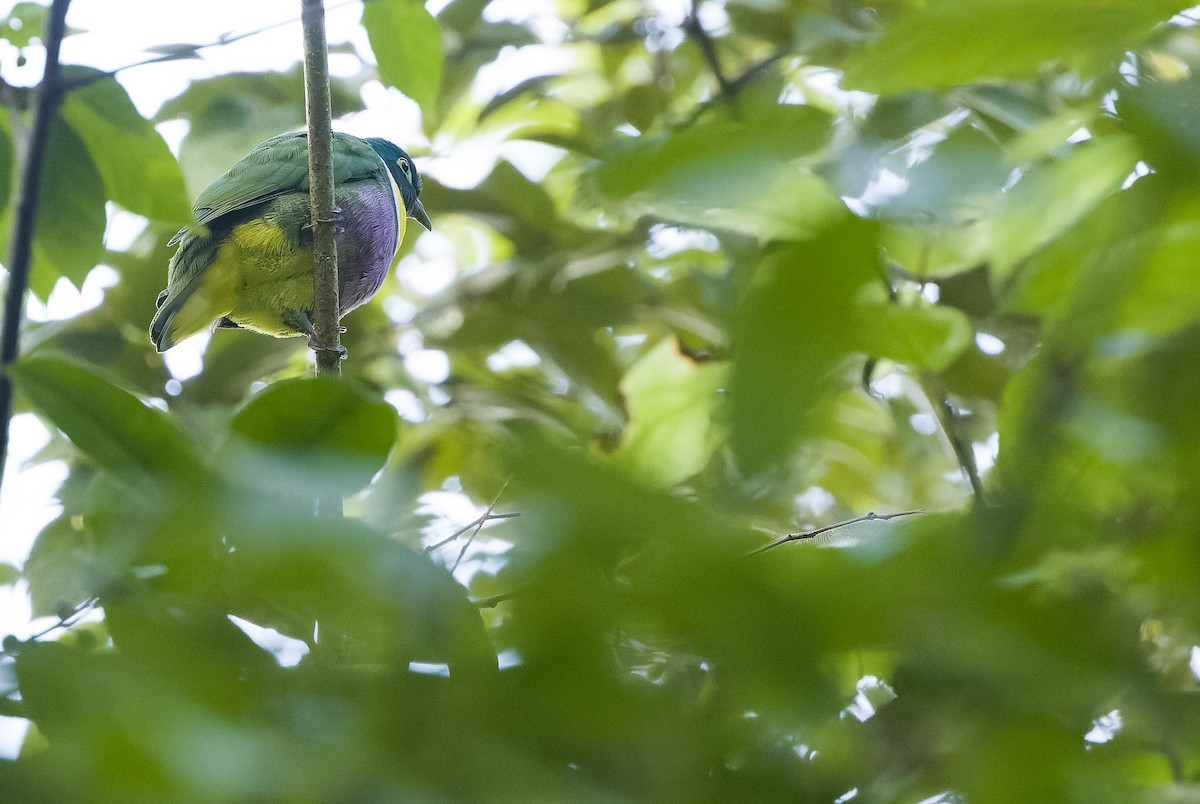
pixel 404 173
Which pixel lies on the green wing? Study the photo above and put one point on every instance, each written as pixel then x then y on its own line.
pixel 277 167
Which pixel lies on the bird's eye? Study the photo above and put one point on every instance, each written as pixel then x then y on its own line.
pixel 405 167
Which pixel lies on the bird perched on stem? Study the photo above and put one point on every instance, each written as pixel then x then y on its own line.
pixel 248 261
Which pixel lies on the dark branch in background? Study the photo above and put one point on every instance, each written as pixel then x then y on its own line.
pixel 812 534
pixel 708 48
pixel 948 417
pixel 728 87
pixel 21 256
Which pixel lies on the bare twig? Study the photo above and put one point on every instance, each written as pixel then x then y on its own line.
pixel 708 49
pixel 21 256
pixel 812 534
pixel 475 533
pixel 475 523
pixel 492 602
pixel 948 416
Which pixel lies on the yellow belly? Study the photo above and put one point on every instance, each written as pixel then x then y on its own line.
pixel 256 279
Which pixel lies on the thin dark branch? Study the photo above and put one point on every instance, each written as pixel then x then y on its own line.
pixel 475 533
pixel 475 523
pixel 65 621
pixel 948 417
pixel 812 534
pixel 189 51
pixel 734 86
pixel 492 602
pixel 21 256
pixel 708 49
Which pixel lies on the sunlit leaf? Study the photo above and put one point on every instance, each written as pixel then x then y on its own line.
pixel 138 169
pixel 926 336
pixel 675 411
pixel 791 330
pixel 726 174
pixel 408 47
pixel 312 432
pixel 945 42
pixel 109 424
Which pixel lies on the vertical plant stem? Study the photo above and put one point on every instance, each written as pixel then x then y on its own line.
pixel 21 253
pixel 320 175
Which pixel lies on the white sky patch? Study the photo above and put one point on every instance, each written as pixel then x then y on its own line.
pixel 989 344
pixel 286 650
pixel 185 360
pixel 815 499
pixel 872 692
pixel 1194 661
pixel 123 228
pixel 432 266
pixel 923 423
pixel 986 453
pixel 664 240
pixel 428 365
pixel 514 354
pixel 1104 728
pixel 889 386
pixel 398 310
pixel 406 404
pixel 533 159
pixel 25 504
pixel 884 186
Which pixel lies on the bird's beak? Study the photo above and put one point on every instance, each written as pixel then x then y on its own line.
pixel 422 217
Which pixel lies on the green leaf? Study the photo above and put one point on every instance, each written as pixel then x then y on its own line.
pixel 1164 116
pixel 138 169
pixel 109 424
pixel 25 23
pixel 673 426
pixel 1053 196
pixel 726 174
pixel 793 328
pixel 71 217
pixel 57 569
pixel 947 42
pixel 408 47
pixel 308 431
pixel 9 574
pixel 392 602
pixel 926 336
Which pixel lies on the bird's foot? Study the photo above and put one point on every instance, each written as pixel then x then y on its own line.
pixel 335 219
pixel 339 349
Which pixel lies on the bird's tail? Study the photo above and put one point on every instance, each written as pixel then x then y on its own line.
pixel 167 328
pixel 161 332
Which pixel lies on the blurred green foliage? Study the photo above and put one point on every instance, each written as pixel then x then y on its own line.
pixel 699 280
